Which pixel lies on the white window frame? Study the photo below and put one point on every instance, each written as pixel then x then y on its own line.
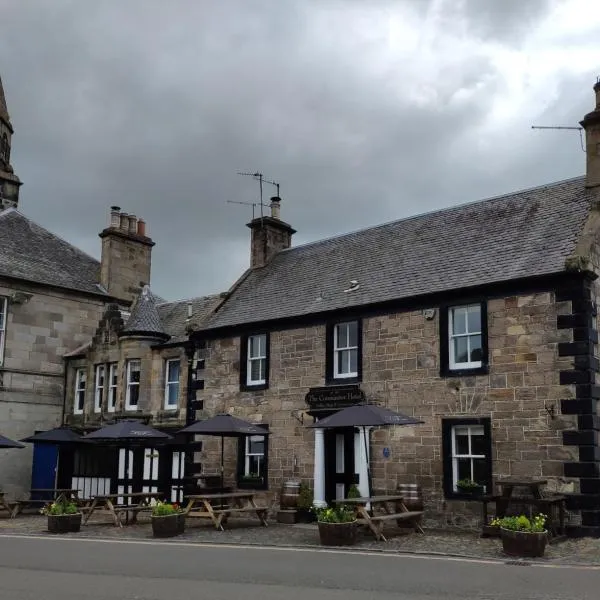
pixel 469 455
pixel 3 317
pixel 471 364
pixel 248 455
pixel 261 357
pixel 337 350
pixel 171 383
pixel 80 384
pixel 112 386
pixel 99 389
pixel 130 384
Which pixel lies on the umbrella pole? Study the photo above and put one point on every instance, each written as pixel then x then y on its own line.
pixel 222 467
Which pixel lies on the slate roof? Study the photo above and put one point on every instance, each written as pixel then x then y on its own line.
pixel 174 315
pixel 32 253
pixel 144 317
pixel 519 235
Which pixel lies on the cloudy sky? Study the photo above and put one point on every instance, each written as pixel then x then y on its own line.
pixel 366 111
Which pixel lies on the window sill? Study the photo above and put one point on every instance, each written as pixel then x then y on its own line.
pixel 343 380
pixel 482 370
pixel 246 387
pixel 463 497
pixel 131 408
pixel 252 484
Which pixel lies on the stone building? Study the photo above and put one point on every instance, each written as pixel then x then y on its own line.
pixel 478 319
pixel 52 296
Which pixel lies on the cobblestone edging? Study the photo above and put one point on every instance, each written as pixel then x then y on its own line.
pixel 464 544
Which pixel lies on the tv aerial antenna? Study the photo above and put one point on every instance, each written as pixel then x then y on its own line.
pixel 563 128
pixel 260 178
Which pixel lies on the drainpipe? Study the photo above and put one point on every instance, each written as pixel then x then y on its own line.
pixel 64 407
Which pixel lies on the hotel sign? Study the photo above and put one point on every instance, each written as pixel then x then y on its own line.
pixel 334 397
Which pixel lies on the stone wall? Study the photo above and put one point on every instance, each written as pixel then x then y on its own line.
pixel 401 367
pixel 39 332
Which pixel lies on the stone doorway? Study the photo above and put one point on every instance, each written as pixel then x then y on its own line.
pixel 340 470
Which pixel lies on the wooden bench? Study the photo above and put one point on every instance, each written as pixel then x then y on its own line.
pixel 223 514
pixel 376 522
pixel 19 505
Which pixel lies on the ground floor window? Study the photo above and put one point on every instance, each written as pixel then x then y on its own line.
pixel 467 456
pixel 252 468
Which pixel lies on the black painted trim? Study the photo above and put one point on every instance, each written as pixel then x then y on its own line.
pixel 447 425
pixel 244 484
pixel 445 370
pixel 244 386
pixel 329 332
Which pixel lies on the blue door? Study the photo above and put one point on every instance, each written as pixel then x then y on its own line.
pixel 43 471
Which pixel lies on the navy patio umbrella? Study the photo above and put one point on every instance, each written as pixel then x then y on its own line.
pixel 8 443
pixel 224 425
pixel 365 415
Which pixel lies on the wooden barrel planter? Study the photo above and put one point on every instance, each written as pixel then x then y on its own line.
pixel 413 500
pixel 338 534
pixel 288 499
pixel 168 525
pixel 523 543
pixel 64 523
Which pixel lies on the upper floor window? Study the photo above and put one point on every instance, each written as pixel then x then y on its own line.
pixel 172 371
pixel 79 403
pixel 132 393
pixel 254 361
pixel 344 352
pixel 3 311
pixel 112 387
pixel 99 388
pixel 467 456
pixel 464 338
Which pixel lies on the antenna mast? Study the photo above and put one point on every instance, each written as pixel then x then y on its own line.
pixel 563 128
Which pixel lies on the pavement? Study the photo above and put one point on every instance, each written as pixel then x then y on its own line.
pixel 467 544
pixel 58 568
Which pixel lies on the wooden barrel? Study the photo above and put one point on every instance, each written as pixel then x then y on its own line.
pixel 413 500
pixel 288 498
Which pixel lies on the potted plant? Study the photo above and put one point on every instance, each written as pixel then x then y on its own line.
pixel 168 519
pixel 304 505
pixel 522 536
pixel 63 517
pixel 469 487
pixel 252 480
pixel 337 526
pixel 353 492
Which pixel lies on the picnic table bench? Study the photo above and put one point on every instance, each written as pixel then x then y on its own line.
pixel 109 503
pixel 6 505
pixel 219 507
pixel 390 505
pixel 44 496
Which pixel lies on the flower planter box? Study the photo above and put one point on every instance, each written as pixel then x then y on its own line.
pixel 523 543
pixel 471 492
pixel 338 534
pixel 64 523
pixel 168 525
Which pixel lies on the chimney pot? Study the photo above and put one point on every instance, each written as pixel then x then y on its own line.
pixel 115 218
pixel 132 224
pixel 124 223
pixel 141 227
pixel 275 207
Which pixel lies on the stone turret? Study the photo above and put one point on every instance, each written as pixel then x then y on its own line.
pixel 9 182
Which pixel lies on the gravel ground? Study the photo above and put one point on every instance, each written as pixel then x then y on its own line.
pixel 247 532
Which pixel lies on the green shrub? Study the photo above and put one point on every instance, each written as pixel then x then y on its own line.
pixel 353 492
pixel 521 523
pixel 339 514
pixel 60 508
pixel 163 509
pixel 305 497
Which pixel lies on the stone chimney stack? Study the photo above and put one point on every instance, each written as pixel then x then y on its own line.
pixel 269 236
pixel 591 124
pixel 126 256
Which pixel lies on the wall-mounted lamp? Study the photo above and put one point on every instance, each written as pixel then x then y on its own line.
pixel 550 410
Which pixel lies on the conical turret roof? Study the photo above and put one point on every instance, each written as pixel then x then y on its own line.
pixel 144 319
pixel 3 107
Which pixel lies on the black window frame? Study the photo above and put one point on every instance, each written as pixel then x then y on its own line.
pixel 447 426
pixel 252 485
pixel 445 368
pixel 244 385
pixel 330 378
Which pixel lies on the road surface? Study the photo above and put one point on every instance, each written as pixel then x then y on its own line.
pixel 77 569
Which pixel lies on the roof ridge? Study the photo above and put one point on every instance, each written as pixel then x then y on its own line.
pixel 447 209
pixel 217 295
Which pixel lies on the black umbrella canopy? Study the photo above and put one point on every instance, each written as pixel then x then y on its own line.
pixel 58 435
pixel 225 425
pixel 127 431
pixel 8 443
pixel 365 415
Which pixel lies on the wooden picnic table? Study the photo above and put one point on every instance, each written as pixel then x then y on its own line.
pixel 219 507
pixel 6 505
pixel 388 511
pixel 110 504
pixel 48 495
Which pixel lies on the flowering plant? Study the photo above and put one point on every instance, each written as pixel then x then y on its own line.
pixel 163 509
pixel 339 514
pixel 60 508
pixel 522 523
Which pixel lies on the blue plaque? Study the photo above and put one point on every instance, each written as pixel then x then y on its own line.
pixel 386 452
